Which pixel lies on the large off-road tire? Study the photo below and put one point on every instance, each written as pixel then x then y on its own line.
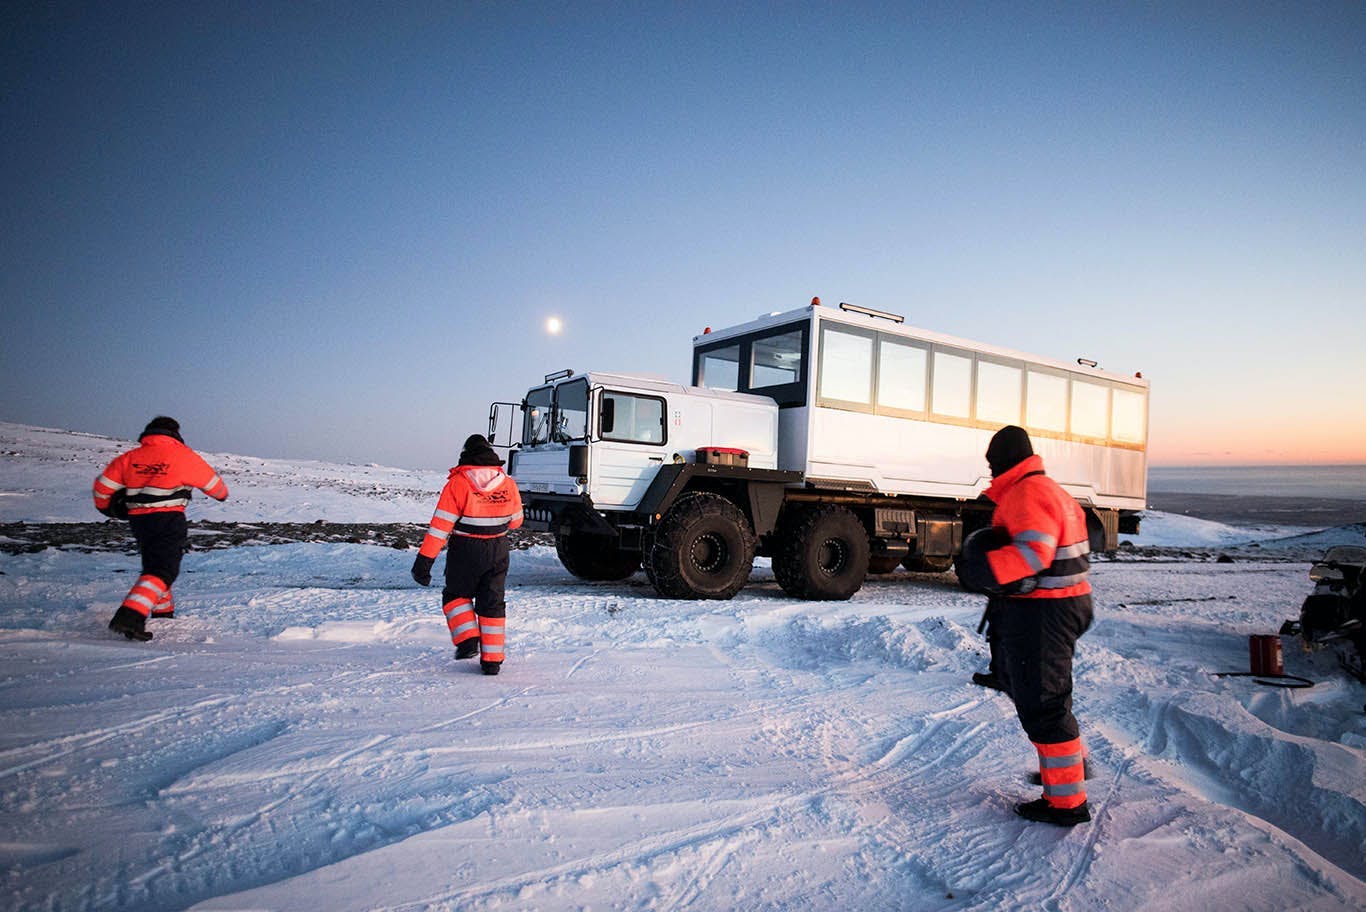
pixel 702 549
pixel 595 557
pixel 822 554
pixel 926 563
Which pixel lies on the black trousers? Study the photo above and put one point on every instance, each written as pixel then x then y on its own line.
pixel 477 568
pixel 995 604
pixel 1035 640
pixel 161 539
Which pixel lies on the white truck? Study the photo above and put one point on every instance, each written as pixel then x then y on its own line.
pixel 837 441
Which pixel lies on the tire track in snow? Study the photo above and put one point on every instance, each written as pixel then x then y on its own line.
pixel 211 838
pixel 1086 851
pixel 81 741
pixel 730 831
pixel 639 852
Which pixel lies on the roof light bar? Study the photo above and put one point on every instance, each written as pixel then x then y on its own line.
pixel 558 374
pixel 868 311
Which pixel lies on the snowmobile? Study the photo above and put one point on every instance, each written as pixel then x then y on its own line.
pixel 1335 612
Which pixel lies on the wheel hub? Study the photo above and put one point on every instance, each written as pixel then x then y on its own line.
pixel 832 556
pixel 708 553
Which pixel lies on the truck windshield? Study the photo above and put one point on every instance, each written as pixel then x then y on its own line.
pixel 571 411
pixel 536 428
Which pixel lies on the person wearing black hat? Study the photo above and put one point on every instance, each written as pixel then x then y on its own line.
pixel 479 505
pixel 150 486
pixel 1009 447
pixel 1032 564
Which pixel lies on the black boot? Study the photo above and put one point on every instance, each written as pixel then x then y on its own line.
pixel 467 649
pixel 989 679
pixel 490 668
pixel 1043 812
pixel 129 623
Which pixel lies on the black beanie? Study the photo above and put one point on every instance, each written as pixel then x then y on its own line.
pixel 478 452
pixel 1009 447
pixel 167 427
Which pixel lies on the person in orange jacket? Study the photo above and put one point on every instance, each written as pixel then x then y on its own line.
pixel 479 505
pixel 1033 563
pixel 150 486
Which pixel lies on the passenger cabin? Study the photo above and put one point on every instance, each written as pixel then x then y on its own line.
pixel 869 404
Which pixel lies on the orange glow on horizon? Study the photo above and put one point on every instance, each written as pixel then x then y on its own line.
pixel 1313 440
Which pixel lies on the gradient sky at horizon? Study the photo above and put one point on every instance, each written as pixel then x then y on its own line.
pixel 336 230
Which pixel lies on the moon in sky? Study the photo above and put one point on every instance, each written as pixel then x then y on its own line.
pixel 553 326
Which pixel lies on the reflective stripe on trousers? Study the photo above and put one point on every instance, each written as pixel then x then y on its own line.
pixel 1063 771
pixel 145 594
pixel 491 639
pixel 460 620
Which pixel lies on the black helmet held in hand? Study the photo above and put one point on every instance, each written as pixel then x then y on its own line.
pixel 974 572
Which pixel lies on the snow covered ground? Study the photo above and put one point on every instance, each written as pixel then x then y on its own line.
pixel 300 736
pixel 45 476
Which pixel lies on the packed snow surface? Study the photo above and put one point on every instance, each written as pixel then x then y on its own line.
pixel 301 737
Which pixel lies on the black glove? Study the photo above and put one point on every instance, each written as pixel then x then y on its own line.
pixel 995 537
pixel 118 505
pixel 422 570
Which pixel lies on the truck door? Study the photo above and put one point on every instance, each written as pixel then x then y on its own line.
pixel 630 444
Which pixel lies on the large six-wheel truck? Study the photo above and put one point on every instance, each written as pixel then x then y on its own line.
pixel 837 441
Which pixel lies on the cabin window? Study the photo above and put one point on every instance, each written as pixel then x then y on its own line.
pixel 1090 409
pixel 536 427
pixel 632 419
pixel 952 385
pixel 1127 424
pixel 999 390
pixel 776 360
pixel 720 368
pixel 846 366
pixel 901 375
pixel 1046 402
pixel 571 411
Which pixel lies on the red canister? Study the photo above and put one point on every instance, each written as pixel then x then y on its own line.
pixel 1266 654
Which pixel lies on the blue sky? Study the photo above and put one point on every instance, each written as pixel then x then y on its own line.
pixel 335 230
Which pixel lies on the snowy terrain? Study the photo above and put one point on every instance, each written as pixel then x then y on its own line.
pixel 44 474
pixel 300 737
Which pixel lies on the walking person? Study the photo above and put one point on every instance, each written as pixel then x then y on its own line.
pixel 1033 564
pixel 151 485
pixel 479 505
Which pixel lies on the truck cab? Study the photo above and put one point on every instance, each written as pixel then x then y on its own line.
pixel 603 458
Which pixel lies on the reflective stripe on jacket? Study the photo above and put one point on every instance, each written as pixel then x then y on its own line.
pixel 477 501
pixel 158 476
pixel 1048 536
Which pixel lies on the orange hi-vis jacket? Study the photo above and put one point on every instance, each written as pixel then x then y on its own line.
pixel 158 476
pixel 478 502
pixel 1047 529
